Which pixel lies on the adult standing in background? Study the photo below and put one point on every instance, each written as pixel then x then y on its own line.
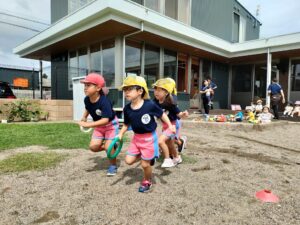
pixel 213 87
pixel 203 90
pixel 276 93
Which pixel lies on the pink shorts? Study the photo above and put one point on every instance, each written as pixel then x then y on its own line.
pixel 108 131
pixel 145 145
pixel 167 132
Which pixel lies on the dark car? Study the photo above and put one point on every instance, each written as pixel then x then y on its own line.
pixel 5 90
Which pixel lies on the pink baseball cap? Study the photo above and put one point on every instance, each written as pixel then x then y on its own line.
pixel 94 78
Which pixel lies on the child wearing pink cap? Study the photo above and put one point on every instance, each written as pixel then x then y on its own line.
pixel 140 114
pixel 105 122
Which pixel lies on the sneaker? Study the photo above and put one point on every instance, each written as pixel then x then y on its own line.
pixel 177 160
pixel 145 186
pixel 210 103
pixel 183 143
pixel 167 163
pixel 112 170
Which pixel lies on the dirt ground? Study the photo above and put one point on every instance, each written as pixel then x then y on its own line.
pixel 232 163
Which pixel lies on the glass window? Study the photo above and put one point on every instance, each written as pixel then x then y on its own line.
pixel 184 12
pixel 108 54
pixel 241 78
pixel 170 64
pixel 295 75
pixel 133 57
pixel 171 8
pixel 152 4
pixel 236 28
pixel 151 64
pixel 139 1
pixel 73 5
pixel 95 58
pixel 206 69
pixel 82 62
pixel 73 68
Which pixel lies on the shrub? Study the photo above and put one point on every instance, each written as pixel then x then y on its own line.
pixel 23 110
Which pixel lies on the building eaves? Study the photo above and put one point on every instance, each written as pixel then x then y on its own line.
pixel 132 14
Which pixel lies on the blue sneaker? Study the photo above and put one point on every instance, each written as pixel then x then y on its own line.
pixel 112 170
pixel 145 186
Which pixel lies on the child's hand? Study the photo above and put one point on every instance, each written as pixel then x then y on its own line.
pixel 120 136
pixel 185 114
pixel 172 128
pixel 84 124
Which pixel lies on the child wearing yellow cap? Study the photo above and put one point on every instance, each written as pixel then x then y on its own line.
pixel 163 91
pixel 140 114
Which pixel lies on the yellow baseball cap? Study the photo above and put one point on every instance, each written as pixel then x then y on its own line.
pixel 133 80
pixel 168 84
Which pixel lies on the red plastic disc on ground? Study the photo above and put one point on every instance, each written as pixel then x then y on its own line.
pixel 266 196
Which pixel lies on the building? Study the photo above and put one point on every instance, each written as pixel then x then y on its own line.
pixel 25 81
pixel 183 39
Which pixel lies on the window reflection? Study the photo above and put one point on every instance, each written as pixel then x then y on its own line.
pixel 73 68
pixel 241 78
pixel 295 75
pixel 151 64
pixel 108 51
pixel 95 58
pixel 171 8
pixel 82 62
pixel 133 57
pixel 152 4
pixel 170 64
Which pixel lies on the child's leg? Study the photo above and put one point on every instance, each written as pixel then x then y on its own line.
pixel 163 145
pixel 147 169
pixel 172 149
pixel 96 145
pixel 107 144
pixel 130 159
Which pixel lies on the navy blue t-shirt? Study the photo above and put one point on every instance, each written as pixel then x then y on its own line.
pixel 170 110
pixel 274 88
pixel 100 109
pixel 142 120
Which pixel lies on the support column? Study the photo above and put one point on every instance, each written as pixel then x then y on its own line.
pixel 288 97
pixel 269 72
pixel 189 73
pixel 119 61
pixel 229 87
pixel 161 64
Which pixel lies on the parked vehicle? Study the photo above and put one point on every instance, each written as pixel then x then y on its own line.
pixel 5 90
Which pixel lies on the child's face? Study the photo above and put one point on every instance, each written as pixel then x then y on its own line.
pixel 132 92
pixel 91 89
pixel 265 110
pixel 160 93
pixel 205 82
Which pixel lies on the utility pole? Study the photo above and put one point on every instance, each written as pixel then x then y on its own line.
pixel 33 94
pixel 41 75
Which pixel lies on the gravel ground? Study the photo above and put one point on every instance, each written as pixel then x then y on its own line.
pixel 232 162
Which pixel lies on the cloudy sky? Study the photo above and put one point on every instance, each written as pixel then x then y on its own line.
pixel 11 35
pixel 278 17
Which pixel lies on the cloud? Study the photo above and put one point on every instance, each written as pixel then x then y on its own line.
pixel 11 36
pixel 277 17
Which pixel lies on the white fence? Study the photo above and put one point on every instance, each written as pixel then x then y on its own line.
pixel 30 95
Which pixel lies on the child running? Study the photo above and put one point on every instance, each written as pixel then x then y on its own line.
pixel 163 91
pixel 104 119
pixel 140 114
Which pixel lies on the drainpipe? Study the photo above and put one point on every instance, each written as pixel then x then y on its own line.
pixel 269 71
pixel 124 52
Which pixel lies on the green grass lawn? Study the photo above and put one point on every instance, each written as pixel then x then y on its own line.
pixel 52 135
pixel 30 161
